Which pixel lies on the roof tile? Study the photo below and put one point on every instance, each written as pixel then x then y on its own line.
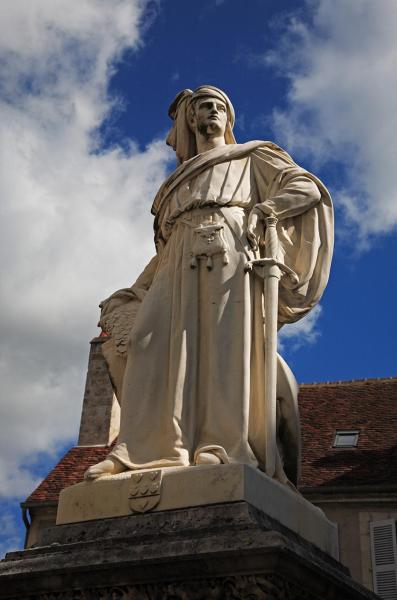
pixel 366 405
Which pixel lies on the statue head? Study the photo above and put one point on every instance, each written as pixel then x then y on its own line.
pixel 207 108
pixel 208 116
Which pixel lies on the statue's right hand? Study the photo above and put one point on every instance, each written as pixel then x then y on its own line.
pixel 253 236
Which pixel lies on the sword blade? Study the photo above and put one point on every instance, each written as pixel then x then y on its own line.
pixel 272 275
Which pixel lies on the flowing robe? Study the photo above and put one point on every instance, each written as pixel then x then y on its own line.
pixel 194 378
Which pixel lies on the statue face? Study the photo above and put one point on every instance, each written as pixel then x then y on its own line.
pixel 210 116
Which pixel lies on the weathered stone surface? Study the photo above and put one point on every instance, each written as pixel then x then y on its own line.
pixel 118 495
pixel 220 552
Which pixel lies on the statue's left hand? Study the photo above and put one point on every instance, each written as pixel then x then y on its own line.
pixel 255 229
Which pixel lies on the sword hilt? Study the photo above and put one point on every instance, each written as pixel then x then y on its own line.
pixel 261 266
pixel 263 263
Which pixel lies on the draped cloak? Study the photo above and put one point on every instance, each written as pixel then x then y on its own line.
pixel 194 373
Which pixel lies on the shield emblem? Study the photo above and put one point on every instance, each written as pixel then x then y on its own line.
pixel 145 489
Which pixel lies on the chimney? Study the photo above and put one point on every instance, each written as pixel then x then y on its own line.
pixel 100 417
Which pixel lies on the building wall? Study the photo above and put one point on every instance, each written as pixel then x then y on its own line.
pixel 353 517
pixel 41 517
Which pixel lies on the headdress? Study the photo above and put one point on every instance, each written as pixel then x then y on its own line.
pixel 181 137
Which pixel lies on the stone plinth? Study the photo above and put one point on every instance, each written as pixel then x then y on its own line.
pixel 218 552
pixel 120 495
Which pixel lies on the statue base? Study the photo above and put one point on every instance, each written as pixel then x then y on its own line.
pixel 184 487
pixel 218 552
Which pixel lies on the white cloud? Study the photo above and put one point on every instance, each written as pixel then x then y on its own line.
pixel 303 332
pixel 76 221
pixel 341 66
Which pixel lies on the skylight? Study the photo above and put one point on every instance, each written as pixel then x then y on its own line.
pixel 346 438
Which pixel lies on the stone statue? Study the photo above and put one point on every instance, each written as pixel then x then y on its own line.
pixel 187 345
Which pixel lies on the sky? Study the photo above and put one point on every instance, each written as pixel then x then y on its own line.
pixel 84 92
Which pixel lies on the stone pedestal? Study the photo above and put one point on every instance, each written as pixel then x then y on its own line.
pixel 180 487
pixel 219 552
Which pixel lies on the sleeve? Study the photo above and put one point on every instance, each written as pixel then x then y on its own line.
pixel 304 210
pixel 283 188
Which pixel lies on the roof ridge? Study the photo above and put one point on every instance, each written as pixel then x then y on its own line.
pixel 344 381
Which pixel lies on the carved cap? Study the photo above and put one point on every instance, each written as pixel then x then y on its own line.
pixel 201 92
pixel 181 138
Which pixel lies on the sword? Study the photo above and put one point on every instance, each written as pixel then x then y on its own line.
pixel 271 270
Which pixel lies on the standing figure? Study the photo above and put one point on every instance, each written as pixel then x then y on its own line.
pixel 192 328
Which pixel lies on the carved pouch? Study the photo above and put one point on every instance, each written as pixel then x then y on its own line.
pixel 209 241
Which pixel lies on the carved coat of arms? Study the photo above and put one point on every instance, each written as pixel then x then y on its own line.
pixel 144 492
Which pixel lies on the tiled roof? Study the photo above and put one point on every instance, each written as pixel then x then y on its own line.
pixel 369 406
pixel 68 471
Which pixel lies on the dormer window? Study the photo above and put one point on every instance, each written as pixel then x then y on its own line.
pixel 346 438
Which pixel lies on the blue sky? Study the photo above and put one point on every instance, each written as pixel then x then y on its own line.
pixel 84 93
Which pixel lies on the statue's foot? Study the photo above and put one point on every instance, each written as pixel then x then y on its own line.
pixel 110 466
pixel 207 458
pixel 210 455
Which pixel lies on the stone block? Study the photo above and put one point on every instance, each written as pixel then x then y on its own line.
pixel 183 487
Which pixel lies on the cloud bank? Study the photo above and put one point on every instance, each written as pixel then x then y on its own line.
pixel 75 219
pixel 341 67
